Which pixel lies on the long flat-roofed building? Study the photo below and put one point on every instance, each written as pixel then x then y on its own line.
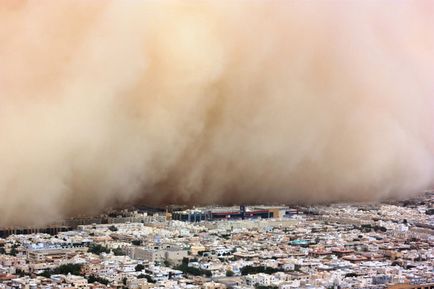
pixel 223 213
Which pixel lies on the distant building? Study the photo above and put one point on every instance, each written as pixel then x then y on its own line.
pixel 412 286
pixel 237 213
pixel 38 254
pixel 173 254
pixel 52 230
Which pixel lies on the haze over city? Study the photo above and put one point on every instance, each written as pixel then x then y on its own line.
pixel 216 144
pixel 114 103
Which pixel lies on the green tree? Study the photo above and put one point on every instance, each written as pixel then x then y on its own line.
pixel 46 274
pixel 230 273
pixel 118 252
pixel 139 267
pixel 74 269
pixel 265 287
pixel 193 270
pixel 93 279
pixel 14 251
pixel 113 228
pixel 247 270
pixel 207 273
pixel 147 277
pixel 98 249
pixel 136 242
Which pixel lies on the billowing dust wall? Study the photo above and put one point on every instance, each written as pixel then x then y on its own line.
pixel 106 103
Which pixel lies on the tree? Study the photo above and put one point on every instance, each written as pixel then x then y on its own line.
pixel 136 242
pixel 167 263
pixel 118 252
pixel 171 275
pixel 14 251
pixel 193 270
pixel 98 249
pixel 113 228
pixel 139 267
pixel 93 279
pixel 230 273
pixel 20 273
pixel 46 274
pixel 74 269
pixel 247 270
pixel 147 277
pixel 207 273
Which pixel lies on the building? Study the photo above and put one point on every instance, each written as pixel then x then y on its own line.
pixel 225 213
pixel 412 286
pixel 38 254
pixel 173 254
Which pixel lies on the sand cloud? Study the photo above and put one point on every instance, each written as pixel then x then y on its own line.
pixel 116 102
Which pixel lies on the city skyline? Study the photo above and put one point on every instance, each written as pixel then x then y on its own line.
pixel 114 103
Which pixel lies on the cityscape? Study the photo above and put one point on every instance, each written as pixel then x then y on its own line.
pixel 329 246
pixel 216 144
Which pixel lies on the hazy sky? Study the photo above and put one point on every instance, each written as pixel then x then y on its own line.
pixel 202 102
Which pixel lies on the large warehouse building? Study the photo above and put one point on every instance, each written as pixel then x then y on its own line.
pixel 224 213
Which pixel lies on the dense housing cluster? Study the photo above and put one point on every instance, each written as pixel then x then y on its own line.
pixel 336 246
